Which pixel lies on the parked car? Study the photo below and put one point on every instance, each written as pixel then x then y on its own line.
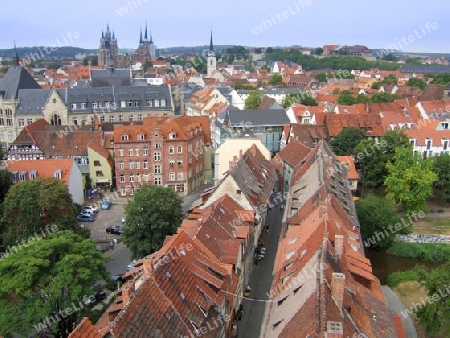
pixel 114 230
pixel 95 298
pixel 85 217
pixel 90 208
pixel 131 265
pixel 117 278
pixel 106 204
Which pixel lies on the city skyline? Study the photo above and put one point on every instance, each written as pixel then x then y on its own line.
pixel 410 26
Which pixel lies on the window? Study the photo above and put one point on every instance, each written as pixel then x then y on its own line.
pixel 120 118
pixel 171 163
pixel 180 163
pixel 131 165
pixel 145 151
pixel 122 178
pixel 136 152
pixel 21 122
pixel 180 176
pixel 130 152
pixel 157 168
pixel 29 121
pixel 97 163
pixel 281 301
pixel 131 177
pixel 149 103
pixel 171 150
pixel 140 137
pixel 102 118
pixel 172 136
pixel 74 106
pixel 33 175
pixel 163 103
pixel 136 103
pixel 22 176
pixel 131 118
pixel 124 137
pixel 137 165
pixel 156 103
pixel 157 146
pixel 172 176
pixel 94 105
pixel 83 105
pixel 99 173
pixel 120 152
pixel 101 104
pixel 111 118
pixel 158 181
pixel 123 104
pixel 445 145
pixel 428 144
pixel 75 121
pixel 58 174
pixel 83 120
pixel 179 150
pixel 140 117
pixel 121 165
pixel 157 156
pixel 145 164
pixel 122 191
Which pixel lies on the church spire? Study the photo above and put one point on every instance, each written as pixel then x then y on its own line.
pixel 140 38
pixel 16 55
pixel 113 36
pixel 103 35
pixel 145 36
pixel 151 38
pixel 211 47
pixel 107 27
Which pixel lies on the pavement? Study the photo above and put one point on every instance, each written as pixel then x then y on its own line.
pixel 261 280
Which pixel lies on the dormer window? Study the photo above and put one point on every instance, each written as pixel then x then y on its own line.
pixel 124 137
pixel 140 137
pixel 172 136
pixel 32 175
pixel 58 174
pixel 22 176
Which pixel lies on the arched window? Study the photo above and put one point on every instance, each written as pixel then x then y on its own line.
pixel 56 120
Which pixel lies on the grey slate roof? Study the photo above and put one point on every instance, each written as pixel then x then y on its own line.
pixel 32 101
pixel 437 69
pixel 16 78
pixel 257 117
pixel 106 77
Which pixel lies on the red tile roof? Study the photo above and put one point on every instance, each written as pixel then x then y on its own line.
pixel 85 330
pixel 44 168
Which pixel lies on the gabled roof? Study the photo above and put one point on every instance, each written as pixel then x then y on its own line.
pixel 43 168
pixel 309 134
pixel 26 135
pixel 85 330
pixel 371 124
pixel 294 153
pixel 16 78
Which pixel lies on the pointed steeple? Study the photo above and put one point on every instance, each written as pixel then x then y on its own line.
pixel 103 35
pixel 146 36
pixel 16 55
pixel 113 36
pixel 107 27
pixel 151 38
pixel 140 38
pixel 211 47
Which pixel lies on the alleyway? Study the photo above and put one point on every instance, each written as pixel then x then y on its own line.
pixel 261 280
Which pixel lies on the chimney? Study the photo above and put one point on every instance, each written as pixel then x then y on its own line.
pixel 337 288
pixel 148 267
pixel 127 291
pixel 338 246
pixel 96 122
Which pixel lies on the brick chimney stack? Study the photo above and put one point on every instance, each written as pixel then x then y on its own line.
pixel 338 246
pixel 337 288
pixel 127 291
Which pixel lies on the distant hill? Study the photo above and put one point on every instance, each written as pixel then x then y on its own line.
pixel 60 52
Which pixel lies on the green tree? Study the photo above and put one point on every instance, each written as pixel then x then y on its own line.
pixel 410 179
pixel 346 98
pixel 318 51
pixel 147 65
pixel 390 79
pixel 417 83
pixel 361 98
pixel 153 213
pixel 322 77
pixel 308 100
pixel 276 80
pixel 31 205
pixel 434 314
pixel 377 217
pixel 441 168
pixel 376 85
pixel 390 57
pixel 345 142
pixel 384 97
pixel 371 157
pixel 5 183
pixel 302 98
pixel 45 276
pixel 253 100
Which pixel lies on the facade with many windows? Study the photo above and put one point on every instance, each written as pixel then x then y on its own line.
pixel 161 151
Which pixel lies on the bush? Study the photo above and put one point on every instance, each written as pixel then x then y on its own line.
pixel 394 279
pixel 427 251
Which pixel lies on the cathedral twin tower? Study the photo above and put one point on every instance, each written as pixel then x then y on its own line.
pixel 108 52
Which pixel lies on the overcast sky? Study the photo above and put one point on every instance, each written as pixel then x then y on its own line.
pixel 311 23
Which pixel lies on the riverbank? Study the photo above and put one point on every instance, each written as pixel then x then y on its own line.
pixel 427 251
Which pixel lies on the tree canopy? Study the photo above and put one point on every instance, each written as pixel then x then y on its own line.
pixel 410 179
pixel 45 276
pixel 153 213
pixel 5 183
pixel 276 80
pixel 441 168
pixel 384 97
pixel 253 100
pixel 301 98
pixel 344 143
pixel 417 83
pixel 377 217
pixel 31 205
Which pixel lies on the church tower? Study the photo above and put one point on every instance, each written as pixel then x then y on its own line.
pixel 211 67
pixel 108 49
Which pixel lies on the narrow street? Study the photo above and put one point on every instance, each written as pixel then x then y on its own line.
pixel 261 280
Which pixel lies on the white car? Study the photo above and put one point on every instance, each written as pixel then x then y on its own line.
pixel 90 208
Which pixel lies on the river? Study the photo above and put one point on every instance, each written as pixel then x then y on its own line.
pixel 384 264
